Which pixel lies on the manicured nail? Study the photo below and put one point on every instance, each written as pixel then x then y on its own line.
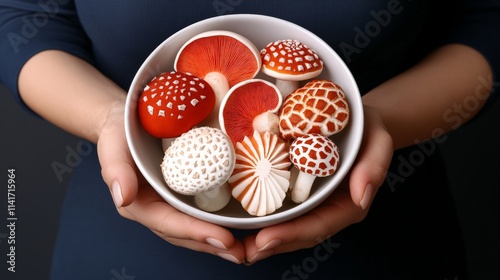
pixel 216 243
pixel 367 196
pixel 270 245
pixel 260 256
pixel 229 257
pixel 116 193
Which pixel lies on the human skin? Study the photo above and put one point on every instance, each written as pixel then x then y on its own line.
pixel 75 96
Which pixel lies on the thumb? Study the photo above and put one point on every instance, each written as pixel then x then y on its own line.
pixel 373 160
pixel 117 167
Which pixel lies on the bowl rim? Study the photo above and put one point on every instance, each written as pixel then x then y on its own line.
pixel 252 221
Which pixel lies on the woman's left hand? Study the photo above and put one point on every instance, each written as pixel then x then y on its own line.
pixel 347 205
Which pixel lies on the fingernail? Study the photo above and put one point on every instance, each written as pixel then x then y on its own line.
pixel 216 243
pixel 229 257
pixel 270 245
pixel 260 256
pixel 116 193
pixel 367 196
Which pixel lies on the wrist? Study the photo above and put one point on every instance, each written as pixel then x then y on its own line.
pixel 78 99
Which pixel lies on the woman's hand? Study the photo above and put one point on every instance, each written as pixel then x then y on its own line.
pixel 138 201
pixel 347 205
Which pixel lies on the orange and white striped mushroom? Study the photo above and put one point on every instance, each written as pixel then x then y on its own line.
pixel 260 179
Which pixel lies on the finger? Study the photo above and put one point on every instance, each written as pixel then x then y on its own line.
pixel 118 169
pixel 153 212
pixel 309 229
pixel 373 161
pixel 234 254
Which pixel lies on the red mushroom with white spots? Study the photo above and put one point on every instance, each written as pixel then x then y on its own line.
pixel 314 155
pixel 250 105
pixel 290 61
pixel 174 102
pixel 222 58
pixel 318 107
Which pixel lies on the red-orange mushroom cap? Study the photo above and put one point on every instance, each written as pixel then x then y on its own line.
pixel 222 58
pixel 250 105
pixel 290 61
pixel 174 102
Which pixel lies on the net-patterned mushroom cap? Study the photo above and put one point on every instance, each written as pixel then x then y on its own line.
pixel 314 155
pixel 318 107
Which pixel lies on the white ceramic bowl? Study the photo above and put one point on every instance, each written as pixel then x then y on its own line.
pixel 147 151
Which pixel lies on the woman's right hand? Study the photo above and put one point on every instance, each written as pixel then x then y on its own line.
pixel 136 200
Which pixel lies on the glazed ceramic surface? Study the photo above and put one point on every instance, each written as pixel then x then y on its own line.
pixel 147 151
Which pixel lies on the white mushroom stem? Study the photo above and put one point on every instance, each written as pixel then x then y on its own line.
pixel 213 200
pixel 266 122
pixel 294 173
pixel 286 87
pixel 302 188
pixel 220 86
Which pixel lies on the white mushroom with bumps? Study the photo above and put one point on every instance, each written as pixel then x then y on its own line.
pixel 200 161
pixel 315 156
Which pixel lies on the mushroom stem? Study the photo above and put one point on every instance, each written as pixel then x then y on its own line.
pixel 302 188
pixel 294 173
pixel 266 122
pixel 213 200
pixel 220 86
pixel 286 87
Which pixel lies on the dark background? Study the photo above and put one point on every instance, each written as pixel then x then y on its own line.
pixel 32 147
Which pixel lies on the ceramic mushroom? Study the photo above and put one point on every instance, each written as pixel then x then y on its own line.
pixel 290 61
pixel 318 107
pixel 174 102
pixel 260 178
pixel 250 105
pixel 314 155
pixel 199 161
pixel 222 58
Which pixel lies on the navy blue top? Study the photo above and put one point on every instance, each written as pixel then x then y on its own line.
pixel 411 231
pixel 376 38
